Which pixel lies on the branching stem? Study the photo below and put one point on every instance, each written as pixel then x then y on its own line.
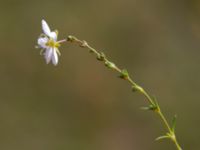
pixel 153 105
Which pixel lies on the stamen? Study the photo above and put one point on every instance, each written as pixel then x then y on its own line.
pixel 62 41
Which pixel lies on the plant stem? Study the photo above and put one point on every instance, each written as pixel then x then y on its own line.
pixel 153 104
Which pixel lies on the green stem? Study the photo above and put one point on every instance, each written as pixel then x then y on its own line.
pixel 108 63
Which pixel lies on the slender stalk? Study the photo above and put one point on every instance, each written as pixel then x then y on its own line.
pixel 124 74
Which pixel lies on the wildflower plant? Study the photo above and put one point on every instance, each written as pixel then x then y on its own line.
pixel 49 45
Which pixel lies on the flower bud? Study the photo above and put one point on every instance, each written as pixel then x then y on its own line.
pixel 124 74
pixel 71 38
pixel 110 65
pixel 101 57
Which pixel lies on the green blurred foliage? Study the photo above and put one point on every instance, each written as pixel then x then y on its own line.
pixel 81 105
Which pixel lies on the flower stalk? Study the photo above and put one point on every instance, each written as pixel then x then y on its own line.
pixel 153 104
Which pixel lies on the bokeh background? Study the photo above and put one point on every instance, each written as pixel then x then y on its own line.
pixel 80 104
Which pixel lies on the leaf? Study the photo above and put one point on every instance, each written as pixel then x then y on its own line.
pixel 155 101
pixel 174 123
pixel 101 56
pixel 110 65
pixel 124 74
pixel 150 107
pixel 134 89
pixel 162 137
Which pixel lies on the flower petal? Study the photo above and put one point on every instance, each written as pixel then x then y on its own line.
pixel 42 42
pixel 53 35
pixel 46 28
pixel 55 57
pixel 48 54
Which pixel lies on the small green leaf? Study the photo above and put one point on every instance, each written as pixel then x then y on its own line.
pixel 174 123
pixel 91 51
pixel 124 74
pixel 137 88
pixel 155 100
pixel 150 107
pixel 145 108
pixel 84 44
pixel 155 103
pixel 110 65
pixel 101 57
pixel 162 137
pixel 71 38
pixel 134 88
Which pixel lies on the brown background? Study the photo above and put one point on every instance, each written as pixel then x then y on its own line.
pixel 81 105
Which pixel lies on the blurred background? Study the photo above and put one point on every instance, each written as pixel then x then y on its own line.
pixel 80 104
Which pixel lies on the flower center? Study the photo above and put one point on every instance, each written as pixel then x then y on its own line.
pixel 52 43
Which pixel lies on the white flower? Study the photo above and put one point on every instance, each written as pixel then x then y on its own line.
pixel 49 44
